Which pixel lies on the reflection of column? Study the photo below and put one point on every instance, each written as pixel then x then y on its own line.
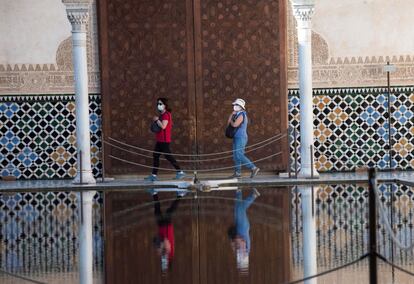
pixel 303 10
pixel 78 15
pixel 85 238
pixel 309 234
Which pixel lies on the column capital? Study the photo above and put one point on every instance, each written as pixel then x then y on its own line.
pixel 303 10
pixel 78 14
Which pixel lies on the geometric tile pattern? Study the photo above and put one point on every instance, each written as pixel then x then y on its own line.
pixel 38 136
pixel 342 223
pixel 39 233
pixel 37 133
pixel 351 128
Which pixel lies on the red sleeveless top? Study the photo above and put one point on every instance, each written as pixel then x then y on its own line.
pixel 165 134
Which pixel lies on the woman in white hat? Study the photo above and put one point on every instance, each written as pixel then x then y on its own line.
pixel 239 119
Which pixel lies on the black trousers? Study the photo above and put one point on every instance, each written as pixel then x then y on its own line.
pixel 163 148
pixel 164 219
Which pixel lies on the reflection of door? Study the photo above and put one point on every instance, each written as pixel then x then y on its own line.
pixel 269 260
pixel 201 55
pixel 203 252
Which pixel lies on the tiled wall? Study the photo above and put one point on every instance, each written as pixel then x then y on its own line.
pixel 38 135
pixel 351 128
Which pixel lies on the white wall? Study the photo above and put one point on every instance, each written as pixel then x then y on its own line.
pixel 31 30
pixel 36 48
pixel 363 28
pixel 353 39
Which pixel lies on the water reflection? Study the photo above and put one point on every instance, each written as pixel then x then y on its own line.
pixel 164 241
pixel 222 236
pixel 239 232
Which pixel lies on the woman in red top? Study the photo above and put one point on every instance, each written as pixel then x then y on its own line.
pixel 163 137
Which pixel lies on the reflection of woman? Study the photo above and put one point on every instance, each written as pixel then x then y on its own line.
pixel 238 119
pixel 164 241
pixel 164 121
pixel 239 232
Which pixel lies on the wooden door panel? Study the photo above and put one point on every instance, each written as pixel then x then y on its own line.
pixel 240 47
pixel 146 52
pixel 201 55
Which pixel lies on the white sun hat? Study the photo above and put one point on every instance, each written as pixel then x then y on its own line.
pixel 240 102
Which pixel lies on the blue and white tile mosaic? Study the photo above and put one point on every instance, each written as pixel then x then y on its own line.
pixel 352 128
pixel 38 137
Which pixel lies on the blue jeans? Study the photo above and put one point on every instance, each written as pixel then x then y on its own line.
pixel 239 145
pixel 240 216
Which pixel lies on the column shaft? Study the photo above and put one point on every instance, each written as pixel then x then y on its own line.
pixel 309 235
pixel 303 14
pixel 85 238
pixel 78 16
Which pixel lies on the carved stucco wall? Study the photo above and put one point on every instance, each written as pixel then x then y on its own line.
pixel 352 40
pixel 36 48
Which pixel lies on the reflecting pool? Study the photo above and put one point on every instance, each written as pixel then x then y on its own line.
pixel 231 235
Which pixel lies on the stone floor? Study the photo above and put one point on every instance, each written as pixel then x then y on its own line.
pixel 404 177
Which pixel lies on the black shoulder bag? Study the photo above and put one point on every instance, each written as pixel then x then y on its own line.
pixel 155 127
pixel 231 130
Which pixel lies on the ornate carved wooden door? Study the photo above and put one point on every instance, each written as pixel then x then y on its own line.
pixel 146 53
pixel 240 53
pixel 201 55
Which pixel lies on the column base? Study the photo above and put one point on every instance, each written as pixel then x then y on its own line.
pixel 87 178
pixel 307 173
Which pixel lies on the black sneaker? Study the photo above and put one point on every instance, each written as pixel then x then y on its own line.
pixel 254 172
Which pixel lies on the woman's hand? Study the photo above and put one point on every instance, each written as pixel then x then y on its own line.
pixel 155 118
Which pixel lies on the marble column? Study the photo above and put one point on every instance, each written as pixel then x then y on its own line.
pixel 78 15
pixel 85 237
pixel 309 233
pixel 303 10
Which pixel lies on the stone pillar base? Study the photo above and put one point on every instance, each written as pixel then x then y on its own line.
pixel 87 178
pixel 307 173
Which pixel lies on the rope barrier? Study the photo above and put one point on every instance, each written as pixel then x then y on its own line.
pixel 329 271
pixel 388 226
pixel 205 170
pixel 395 266
pixel 21 277
pixel 277 136
pixel 193 161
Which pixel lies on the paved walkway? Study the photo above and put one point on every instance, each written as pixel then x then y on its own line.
pixel 404 177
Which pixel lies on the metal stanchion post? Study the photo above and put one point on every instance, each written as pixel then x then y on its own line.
pixel 80 168
pixel 313 201
pixel 288 142
pixel 389 68
pixel 103 157
pixel 311 160
pixel 296 151
pixel 372 186
pixel 81 206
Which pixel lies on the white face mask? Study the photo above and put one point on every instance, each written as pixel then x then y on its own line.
pixel 237 108
pixel 161 107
